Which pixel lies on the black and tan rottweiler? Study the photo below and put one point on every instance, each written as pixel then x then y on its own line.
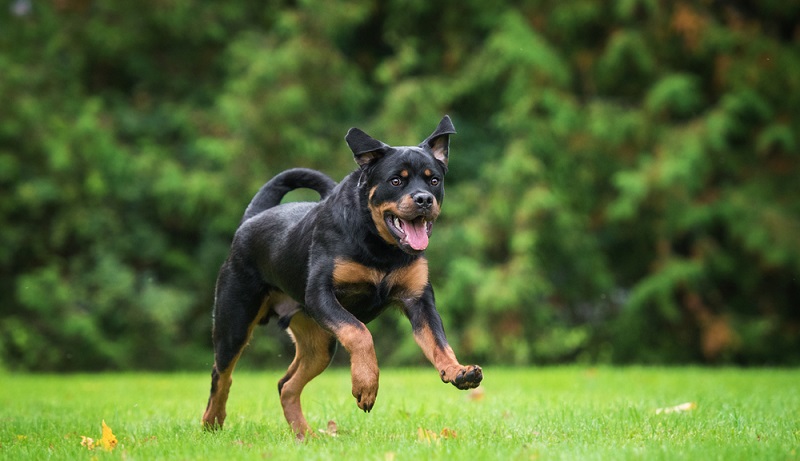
pixel 325 269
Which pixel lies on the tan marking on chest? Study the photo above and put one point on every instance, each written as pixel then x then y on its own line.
pixel 409 281
pixel 350 272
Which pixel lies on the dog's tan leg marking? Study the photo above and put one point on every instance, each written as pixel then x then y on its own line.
pixel 363 363
pixel 214 416
pixel 312 355
pixel 444 359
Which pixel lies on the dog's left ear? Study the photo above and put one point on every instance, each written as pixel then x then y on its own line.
pixel 365 148
pixel 439 140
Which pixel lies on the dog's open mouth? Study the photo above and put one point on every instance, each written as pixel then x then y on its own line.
pixel 412 233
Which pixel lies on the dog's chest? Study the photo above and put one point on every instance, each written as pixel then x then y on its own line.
pixel 365 291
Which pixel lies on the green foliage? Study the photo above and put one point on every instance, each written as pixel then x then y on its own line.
pixel 623 184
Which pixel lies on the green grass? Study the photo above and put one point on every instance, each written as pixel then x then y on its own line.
pixel 548 413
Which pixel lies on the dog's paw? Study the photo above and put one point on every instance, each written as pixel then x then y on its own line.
pixel 213 419
pixel 212 425
pixel 468 377
pixel 365 386
pixel 304 435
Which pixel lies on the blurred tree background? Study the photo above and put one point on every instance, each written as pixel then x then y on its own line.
pixel 623 188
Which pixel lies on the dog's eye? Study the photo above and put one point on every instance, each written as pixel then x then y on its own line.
pixel 434 181
pixel 396 181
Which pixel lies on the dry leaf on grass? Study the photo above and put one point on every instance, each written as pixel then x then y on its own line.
pixel 332 429
pixel 688 406
pixel 427 435
pixel 448 433
pixel 107 442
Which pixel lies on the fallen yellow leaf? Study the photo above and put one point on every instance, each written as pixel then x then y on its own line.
pixel 107 442
pixel 87 442
pixel 688 406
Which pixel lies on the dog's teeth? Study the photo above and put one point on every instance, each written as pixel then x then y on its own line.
pixel 397 224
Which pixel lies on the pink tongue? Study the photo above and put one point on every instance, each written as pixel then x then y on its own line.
pixel 416 234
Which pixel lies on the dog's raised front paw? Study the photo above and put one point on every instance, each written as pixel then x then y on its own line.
pixel 468 377
pixel 365 386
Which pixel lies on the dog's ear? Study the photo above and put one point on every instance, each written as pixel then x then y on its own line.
pixel 364 147
pixel 439 140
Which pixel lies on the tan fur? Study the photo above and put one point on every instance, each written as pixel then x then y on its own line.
pixel 378 213
pixel 405 283
pixel 363 363
pixel 444 359
pixel 214 416
pixel 410 281
pixel 312 356
pixel 347 272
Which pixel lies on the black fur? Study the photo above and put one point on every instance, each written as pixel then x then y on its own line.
pixel 272 192
pixel 292 252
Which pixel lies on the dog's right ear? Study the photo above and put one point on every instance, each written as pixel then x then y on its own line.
pixel 365 148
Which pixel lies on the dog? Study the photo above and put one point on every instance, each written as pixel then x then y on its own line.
pixel 325 269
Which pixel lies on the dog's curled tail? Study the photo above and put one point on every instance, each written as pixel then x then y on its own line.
pixel 272 192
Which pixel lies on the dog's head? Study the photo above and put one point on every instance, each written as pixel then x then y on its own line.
pixel 404 185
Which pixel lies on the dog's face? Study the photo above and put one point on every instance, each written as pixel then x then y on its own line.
pixel 405 185
pixel 405 195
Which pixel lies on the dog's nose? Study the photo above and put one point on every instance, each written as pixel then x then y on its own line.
pixel 423 199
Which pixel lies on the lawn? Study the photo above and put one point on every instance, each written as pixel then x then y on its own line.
pixel 521 414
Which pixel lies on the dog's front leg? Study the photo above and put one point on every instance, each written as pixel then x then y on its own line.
pixel 325 309
pixel 429 334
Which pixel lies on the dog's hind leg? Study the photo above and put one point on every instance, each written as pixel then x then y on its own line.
pixel 314 349
pixel 238 309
